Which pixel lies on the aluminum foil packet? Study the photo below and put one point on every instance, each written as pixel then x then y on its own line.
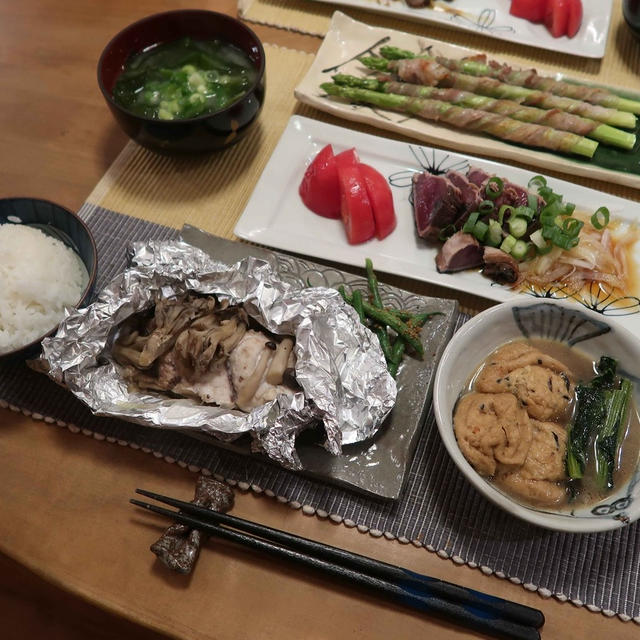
pixel 339 364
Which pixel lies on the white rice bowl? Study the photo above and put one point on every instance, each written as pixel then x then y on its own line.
pixel 39 277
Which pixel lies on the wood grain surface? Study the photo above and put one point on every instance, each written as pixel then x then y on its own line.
pixel 74 560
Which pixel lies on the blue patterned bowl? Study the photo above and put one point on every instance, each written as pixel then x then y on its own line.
pixel 591 333
pixel 62 224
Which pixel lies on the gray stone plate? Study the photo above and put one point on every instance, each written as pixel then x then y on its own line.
pixel 377 466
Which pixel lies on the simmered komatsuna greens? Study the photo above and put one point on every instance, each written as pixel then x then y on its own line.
pixel 184 79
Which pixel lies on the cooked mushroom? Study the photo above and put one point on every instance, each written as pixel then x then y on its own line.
pixel 279 361
pixel 196 348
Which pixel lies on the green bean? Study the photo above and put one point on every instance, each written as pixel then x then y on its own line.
pixel 398 351
pixel 357 305
pixel 402 314
pixel 385 343
pixel 373 284
pixel 418 319
pixel 385 317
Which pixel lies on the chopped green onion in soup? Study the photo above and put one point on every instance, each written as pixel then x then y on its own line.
pixel 184 79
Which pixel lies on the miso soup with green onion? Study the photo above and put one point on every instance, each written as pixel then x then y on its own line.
pixel 184 79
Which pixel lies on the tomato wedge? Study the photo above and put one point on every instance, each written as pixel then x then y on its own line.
pixel 575 18
pixel 345 158
pixel 557 17
pixel 531 10
pixel 355 206
pixel 319 188
pixel 381 200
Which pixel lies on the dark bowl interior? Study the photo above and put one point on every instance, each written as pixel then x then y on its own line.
pixel 207 132
pixel 62 224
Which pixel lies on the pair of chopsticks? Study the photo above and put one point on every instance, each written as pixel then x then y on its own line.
pixel 472 609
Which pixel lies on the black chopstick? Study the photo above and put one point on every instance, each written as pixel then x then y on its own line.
pixel 474 616
pixel 405 578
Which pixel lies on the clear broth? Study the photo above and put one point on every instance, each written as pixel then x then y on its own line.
pixel 184 79
pixel 584 492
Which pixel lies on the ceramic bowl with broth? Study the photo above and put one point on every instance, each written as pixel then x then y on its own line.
pixel 577 337
pixel 200 52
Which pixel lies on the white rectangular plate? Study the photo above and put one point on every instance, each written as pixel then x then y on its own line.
pixel 275 215
pixel 348 39
pixel 492 18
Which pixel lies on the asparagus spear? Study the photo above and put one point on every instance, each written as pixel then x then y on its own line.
pixel 524 78
pixel 438 75
pixel 552 118
pixel 471 119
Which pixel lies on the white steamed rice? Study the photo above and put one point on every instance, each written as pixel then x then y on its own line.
pixel 39 276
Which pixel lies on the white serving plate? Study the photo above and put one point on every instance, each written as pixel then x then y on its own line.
pixel 275 215
pixel 348 39
pixel 491 18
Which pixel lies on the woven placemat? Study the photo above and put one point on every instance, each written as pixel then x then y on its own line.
pixel 449 518
pixel 160 194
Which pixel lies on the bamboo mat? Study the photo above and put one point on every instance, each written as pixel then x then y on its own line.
pixel 620 65
pixel 211 191
pixel 208 191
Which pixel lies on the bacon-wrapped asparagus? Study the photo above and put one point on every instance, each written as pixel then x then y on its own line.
pixel 525 133
pixel 478 65
pixel 429 72
pixel 549 117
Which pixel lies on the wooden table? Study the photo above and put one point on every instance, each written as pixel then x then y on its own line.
pixel 75 561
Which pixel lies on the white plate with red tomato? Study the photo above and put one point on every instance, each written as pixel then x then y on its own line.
pixel 301 175
pixel 575 27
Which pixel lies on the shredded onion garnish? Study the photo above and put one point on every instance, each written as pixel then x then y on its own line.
pixel 601 257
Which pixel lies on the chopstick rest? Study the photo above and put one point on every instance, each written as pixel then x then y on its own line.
pixel 467 607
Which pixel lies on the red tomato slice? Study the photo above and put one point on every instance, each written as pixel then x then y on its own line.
pixel 381 200
pixel 557 17
pixel 532 10
pixel 355 206
pixel 575 18
pixel 346 158
pixel 319 188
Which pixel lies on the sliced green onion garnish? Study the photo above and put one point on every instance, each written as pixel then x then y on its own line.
pixel 549 195
pixel 517 226
pixel 493 192
pixel 486 206
pixel 538 239
pixel 551 210
pixel 480 230
pixel 525 212
pixel 508 244
pixel 600 219
pixel 536 182
pixel 520 249
pixel 471 222
pixel 532 201
pixel 504 209
pixel 572 226
pixel 560 238
pixel 494 235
